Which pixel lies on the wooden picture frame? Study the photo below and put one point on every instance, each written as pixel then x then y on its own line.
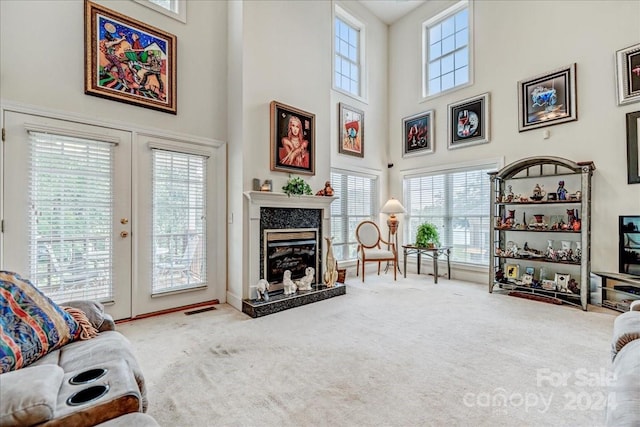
pixel 547 99
pixel 293 139
pixel 129 61
pixel 633 147
pixel 351 131
pixel 468 122
pixel 418 134
pixel 628 74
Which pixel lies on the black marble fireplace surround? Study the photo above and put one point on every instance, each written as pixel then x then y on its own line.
pixel 289 219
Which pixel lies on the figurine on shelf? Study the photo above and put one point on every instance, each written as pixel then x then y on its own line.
pixel 510 195
pixel 538 193
pixel 561 191
pixel 326 191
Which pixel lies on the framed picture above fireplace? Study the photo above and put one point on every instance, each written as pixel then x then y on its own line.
pixel 293 139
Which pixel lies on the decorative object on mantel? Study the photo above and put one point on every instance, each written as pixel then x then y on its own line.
pixel 304 284
pixel 326 191
pixel 296 186
pixel 267 186
pixel 263 290
pixel 331 274
pixel 289 285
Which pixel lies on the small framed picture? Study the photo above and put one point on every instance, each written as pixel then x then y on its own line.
pixel 547 99
pixel 512 271
pixel 351 134
pixel 468 121
pixel 628 74
pixel 633 147
pixel 530 271
pixel 552 196
pixel 562 282
pixel 418 134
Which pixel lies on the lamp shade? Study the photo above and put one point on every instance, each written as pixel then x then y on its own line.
pixel 393 206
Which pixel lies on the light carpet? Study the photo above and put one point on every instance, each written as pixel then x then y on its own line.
pixel 405 353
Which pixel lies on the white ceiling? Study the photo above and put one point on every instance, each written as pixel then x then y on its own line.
pixel 390 11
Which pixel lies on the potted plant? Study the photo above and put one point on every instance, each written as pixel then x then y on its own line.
pixel 298 186
pixel 427 235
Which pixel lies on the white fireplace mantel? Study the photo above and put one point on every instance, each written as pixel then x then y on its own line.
pixel 267 199
pixel 260 199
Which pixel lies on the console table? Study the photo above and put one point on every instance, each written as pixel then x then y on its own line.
pixel 434 253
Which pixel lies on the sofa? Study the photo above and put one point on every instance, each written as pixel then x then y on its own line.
pixel 52 375
pixel 623 402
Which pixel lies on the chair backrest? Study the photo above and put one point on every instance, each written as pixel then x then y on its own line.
pixel 190 250
pixel 368 234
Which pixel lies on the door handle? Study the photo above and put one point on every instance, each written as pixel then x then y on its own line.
pixel 124 234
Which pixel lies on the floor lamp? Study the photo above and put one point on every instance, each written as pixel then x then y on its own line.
pixel 393 207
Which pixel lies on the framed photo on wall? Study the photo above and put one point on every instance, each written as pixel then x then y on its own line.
pixel 351 134
pixel 633 147
pixel 293 139
pixel 129 61
pixel 468 122
pixel 418 134
pixel 547 99
pixel 628 74
pixel 512 271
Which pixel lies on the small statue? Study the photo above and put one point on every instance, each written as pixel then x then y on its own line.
pixel 326 191
pixel 262 288
pixel 289 285
pixel 573 286
pixel 304 284
pixel 331 273
pixel 562 192
pixel 538 193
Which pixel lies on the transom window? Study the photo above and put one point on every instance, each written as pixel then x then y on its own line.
pixel 174 8
pixel 458 202
pixel 357 201
pixel 347 46
pixel 446 50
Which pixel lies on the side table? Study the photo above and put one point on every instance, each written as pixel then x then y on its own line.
pixel 434 253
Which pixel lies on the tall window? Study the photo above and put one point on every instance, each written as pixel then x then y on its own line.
pixel 458 203
pixel 71 199
pixel 179 226
pixel 446 50
pixel 357 202
pixel 347 48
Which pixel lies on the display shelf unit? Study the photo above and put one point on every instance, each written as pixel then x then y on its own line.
pixel 548 219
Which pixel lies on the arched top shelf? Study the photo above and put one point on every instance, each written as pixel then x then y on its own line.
pixel 542 166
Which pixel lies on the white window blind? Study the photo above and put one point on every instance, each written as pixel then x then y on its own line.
pixel 357 202
pixel 347 52
pixel 179 226
pixel 71 199
pixel 447 50
pixel 458 203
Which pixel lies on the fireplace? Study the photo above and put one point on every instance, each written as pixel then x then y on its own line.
pixel 289 249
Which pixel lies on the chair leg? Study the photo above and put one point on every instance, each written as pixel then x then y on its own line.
pixel 395 269
pixel 379 268
pixel 357 267
pixel 363 263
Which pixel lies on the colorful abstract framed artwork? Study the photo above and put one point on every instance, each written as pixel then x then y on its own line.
pixel 351 134
pixel 128 61
pixel 293 139
pixel 633 147
pixel 418 134
pixel 547 99
pixel 468 122
pixel 628 74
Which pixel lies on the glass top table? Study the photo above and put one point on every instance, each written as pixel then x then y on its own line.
pixel 434 253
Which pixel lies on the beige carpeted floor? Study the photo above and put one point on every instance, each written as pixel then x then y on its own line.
pixel 409 353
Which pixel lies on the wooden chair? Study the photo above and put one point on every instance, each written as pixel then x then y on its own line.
pixel 370 249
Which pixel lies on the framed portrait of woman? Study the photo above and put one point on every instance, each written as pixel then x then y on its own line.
pixel 293 139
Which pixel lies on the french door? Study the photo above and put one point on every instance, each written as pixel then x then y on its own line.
pixel 67 209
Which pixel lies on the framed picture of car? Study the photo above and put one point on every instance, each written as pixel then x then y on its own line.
pixel 468 122
pixel 547 99
pixel 418 134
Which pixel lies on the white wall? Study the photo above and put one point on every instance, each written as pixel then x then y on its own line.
pixel 514 41
pixel 42 63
